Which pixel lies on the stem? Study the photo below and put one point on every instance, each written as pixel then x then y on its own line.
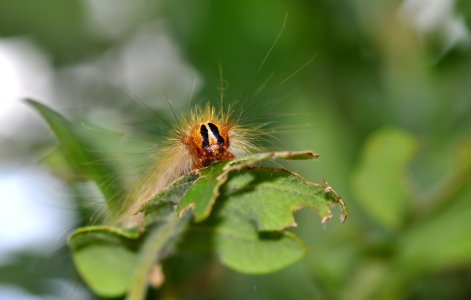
pixel 151 249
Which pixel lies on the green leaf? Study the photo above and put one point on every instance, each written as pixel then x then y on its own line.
pixel 172 193
pixel 380 181
pixel 113 261
pixel 254 200
pixel 105 257
pixel 251 200
pixel 241 247
pixel 244 226
pixel 74 150
pixel 202 195
pixel 65 133
pixel 254 206
pixel 267 197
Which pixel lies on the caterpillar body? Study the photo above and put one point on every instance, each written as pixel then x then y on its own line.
pixel 204 136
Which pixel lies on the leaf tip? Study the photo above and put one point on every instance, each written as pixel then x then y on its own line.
pixel 343 207
pixel 344 212
pixel 326 218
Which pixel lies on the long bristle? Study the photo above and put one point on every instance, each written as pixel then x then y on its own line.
pixel 172 159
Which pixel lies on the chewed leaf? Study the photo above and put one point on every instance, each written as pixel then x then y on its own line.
pixel 268 197
pixel 202 195
pixel 245 224
pixel 254 204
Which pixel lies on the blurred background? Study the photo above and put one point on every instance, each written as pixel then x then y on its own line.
pixel 386 102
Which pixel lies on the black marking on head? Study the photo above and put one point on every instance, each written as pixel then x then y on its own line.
pixel 215 131
pixel 204 135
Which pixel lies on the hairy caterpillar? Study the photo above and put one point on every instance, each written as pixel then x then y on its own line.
pixel 196 140
pixel 205 135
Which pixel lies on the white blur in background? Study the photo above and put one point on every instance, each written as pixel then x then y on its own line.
pixel 437 17
pixel 25 73
pixel 33 214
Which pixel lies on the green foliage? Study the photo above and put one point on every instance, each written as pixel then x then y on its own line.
pixel 239 212
pixel 382 171
pixel 386 103
pixel 105 257
pixel 73 149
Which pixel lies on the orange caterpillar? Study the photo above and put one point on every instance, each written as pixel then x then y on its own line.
pixel 203 137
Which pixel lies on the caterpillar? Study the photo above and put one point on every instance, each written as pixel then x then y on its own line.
pixel 199 138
